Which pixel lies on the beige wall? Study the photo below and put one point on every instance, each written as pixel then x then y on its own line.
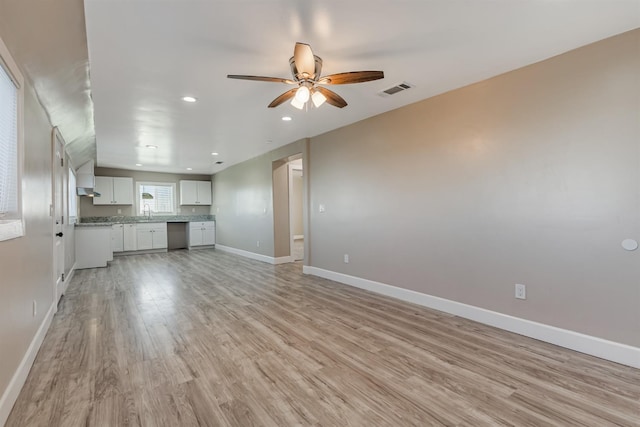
pixel 530 177
pixel 26 263
pixel 243 203
pixel 88 209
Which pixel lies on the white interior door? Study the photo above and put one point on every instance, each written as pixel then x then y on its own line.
pixel 57 208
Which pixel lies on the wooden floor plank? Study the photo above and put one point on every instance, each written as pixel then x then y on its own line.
pixel 206 338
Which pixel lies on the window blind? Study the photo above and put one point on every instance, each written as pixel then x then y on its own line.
pixel 161 200
pixel 8 146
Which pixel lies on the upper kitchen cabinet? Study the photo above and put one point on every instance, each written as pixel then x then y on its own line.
pixel 113 190
pixel 195 192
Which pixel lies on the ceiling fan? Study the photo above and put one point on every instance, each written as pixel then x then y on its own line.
pixel 306 68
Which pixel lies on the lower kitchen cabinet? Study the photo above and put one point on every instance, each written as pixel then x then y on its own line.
pixel 129 237
pixel 151 236
pixel 202 233
pixel 117 238
pixel 93 246
pixel 123 238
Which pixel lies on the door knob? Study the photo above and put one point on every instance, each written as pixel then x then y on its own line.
pixel 59 234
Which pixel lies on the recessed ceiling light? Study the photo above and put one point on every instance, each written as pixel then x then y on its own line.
pixel 286 118
pixel 138 164
pixel 152 147
pixel 189 169
pixel 214 154
pixel 189 99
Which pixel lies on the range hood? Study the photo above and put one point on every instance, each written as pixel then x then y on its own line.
pixel 85 180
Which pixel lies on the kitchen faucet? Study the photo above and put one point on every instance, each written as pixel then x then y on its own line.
pixel 146 208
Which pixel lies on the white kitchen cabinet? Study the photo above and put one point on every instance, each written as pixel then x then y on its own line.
pixel 195 192
pixel 151 236
pixel 104 186
pixel 202 233
pixel 129 237
pixel 113 190
pixel 117 238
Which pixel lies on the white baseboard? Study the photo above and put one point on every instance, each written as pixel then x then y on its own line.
pixel 253 255
pixel 72 272
pixel 604 349
pixel 67 280
pixel 20 376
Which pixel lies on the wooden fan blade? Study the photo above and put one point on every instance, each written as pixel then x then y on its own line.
pixel 303 58
pixel 332 97
pixel 351 77
pixel 283 98
pixel 261 79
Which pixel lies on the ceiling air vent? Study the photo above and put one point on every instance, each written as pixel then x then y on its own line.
pixel 219 163
pixel 395 89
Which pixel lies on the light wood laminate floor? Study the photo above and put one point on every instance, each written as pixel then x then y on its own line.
pixel 208 338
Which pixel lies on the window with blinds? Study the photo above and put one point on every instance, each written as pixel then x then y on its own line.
pixel 10 146
pixel 157 197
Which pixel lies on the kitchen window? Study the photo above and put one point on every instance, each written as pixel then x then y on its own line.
pixel 156 198
pixel 11 104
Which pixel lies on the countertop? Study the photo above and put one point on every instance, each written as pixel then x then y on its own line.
pixel 108 221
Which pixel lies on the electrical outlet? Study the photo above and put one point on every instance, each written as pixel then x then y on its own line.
pixel 346 258
pixel 193 210
pixel 521 291
pixel 119 211
pixel 35 308
pixel 321 208
pixel 258 243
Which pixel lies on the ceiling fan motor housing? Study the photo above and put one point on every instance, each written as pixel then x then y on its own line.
pixel 298 76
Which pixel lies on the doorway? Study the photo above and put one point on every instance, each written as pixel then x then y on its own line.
pixel 288 209
pixel 296 216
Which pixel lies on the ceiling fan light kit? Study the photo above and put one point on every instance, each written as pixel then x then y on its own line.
pixel 318 99
pixel 302 94
pixel 296 103
pixel 306 69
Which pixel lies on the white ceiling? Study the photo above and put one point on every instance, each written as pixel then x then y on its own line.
pixel 145 55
